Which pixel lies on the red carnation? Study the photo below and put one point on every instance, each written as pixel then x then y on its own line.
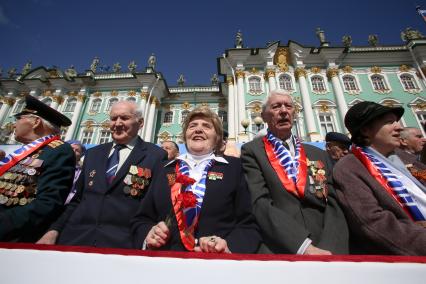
pixel 184 180
pixel 188 199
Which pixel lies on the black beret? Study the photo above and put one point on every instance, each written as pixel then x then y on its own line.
pixel 339 137
pixel 362 113
pixel 36 107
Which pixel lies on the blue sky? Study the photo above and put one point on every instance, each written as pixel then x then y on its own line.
pixel 186 36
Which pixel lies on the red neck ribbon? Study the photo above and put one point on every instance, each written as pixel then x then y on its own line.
pixel 298 188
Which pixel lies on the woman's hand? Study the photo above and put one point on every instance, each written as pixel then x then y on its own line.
pixel 49 238
pixel 157 236
pixel 212 244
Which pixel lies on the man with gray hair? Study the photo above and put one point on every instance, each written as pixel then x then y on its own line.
pixel 412 143
pixel 293 198
pixel 36 178
pixel 115 178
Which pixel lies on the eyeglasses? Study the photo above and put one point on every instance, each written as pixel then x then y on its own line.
pixel 18 117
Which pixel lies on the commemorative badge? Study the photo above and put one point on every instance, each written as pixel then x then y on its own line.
pixel 215 176
pixel 317 179
pixel 136 180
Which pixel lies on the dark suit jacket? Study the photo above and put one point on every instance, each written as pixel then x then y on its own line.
pixel 99 214
pixel 226 211
pixel 410 159
pixel 29 222
pixel 285 220
pixel 377 223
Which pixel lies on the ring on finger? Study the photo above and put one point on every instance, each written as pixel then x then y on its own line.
pixel 212 239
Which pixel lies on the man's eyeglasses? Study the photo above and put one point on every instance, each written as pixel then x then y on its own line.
pixel 18 117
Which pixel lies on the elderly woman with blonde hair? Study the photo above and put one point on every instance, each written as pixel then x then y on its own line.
pixel 206 207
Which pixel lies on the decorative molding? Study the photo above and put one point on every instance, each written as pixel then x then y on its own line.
pixel 281 59
pixel 222 104
pixel 47 93
pixel 420 106
pixel 9 101
pixel 270 73
pixel 131 93
pixel 105 125
pixel 299 72
pixel 204 104
pixel 315 70
pixel 324 108
pixel 58 99
pixel 97 94
pixel 144 95
pixel 376 69
pixel 114 93
pixel 404 68
pixel 347 69
pixel 81 97
pixel 89 125
pixel 257 108
pixel 229 80
pixel 166 107
pixel 253 71
pixel 240 74
pixel 186 106
pixel 332 72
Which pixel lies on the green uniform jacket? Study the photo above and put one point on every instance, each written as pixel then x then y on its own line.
pixel 27 223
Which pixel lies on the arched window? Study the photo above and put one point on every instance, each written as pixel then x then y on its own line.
pixel 96 105
pixel 349 83
pixel 255 85
pixel 110 103
pixel 408 82
pixel 285 83
pixel 378 83
pixel 223 115
pixel 168 117
pixel 70 106
pixel 47 101
pixel 183 115
pixel 131 99
pixel 19 106
pixel 318 84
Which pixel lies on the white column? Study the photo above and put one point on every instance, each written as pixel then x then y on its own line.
pixel 241 99
pixel 271 80
pixel 231 111
pixel 144 96
pixel 307 104
pixel 76 115
pixel 56 99
pixel 338 93
pixel 7 104
pixel 150 123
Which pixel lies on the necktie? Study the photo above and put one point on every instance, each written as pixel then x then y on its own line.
pixel 112 164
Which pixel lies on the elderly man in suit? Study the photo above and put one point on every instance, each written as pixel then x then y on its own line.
pixel 114 179
pixel 36 178
pixel 293 198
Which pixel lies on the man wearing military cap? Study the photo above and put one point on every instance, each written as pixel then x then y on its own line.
pixel 35 179
pixel 337 145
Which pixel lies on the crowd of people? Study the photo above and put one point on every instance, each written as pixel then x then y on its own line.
pixel 363 195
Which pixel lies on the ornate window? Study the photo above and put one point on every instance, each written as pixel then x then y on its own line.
pixel 47 101
pixel 318 84
pixel 104 136
pixel 183 115
pixel 285 83
pixel 19 106
pixel 349 83
pixel 421 116
pixel 96 105
pixel 223 115
pixel 70 106
pixel 255 85
pixel 168 117
pixel 110 103
pixel 408 82
pixel 326 122
pixel 131 99
pixel 379 83
pixel 86 136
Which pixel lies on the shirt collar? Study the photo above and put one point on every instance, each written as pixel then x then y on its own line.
pixel 129 145
pixel 188 157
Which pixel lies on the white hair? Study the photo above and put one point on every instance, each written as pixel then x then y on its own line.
pixel 138 109
pixel 53 127
pixel 278 92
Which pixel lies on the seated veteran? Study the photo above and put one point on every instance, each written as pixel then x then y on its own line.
pixel 337 145
pixel 114 179
pixel 79 151
pixel 384 204
pixel 409 151
pixel 291 188
pixel 36 178
pixel 206 207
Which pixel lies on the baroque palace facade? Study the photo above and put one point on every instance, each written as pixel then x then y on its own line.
pixel 324 81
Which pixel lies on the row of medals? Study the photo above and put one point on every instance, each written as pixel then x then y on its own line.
pixel 134 183
pixel 17 185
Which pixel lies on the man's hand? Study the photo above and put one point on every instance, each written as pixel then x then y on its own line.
pixel 312 250
pixel 49 238
pixel 212 244
pixel 157 236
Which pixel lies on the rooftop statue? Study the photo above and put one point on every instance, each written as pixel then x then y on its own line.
pixel 152 60
pixel 71 72
pixel 410 34
pixel 321 36
pixel 132 66
pixel 347 40
pixel 27 67
pixel 373 40
pixel 94 64
pixel 215 80
pixel 181 81
pixel 116 68
pixel 239 40
pixel 11 72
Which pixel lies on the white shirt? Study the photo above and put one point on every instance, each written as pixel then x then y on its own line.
pixel 125 152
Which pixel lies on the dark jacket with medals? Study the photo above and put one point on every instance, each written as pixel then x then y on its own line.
pixel 33 192
pixel 226 210
pixel 100 213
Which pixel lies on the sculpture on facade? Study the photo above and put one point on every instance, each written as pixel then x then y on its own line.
pixel 239 40
pixel 181 81
pixel 373 40
pixel 11 72
pixel 27 67
pixel 152 60
pixel 321 35
pixel 215 80
pixel 116 68
pixel 71 72
pixel 132 66
pixel 410 34
pixel 94 64
pixel 347 40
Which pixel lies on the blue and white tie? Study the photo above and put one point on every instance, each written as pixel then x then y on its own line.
pixel 112 164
